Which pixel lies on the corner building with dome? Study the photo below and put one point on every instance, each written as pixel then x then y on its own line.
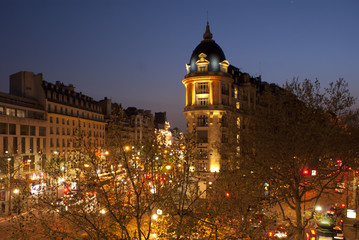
pixel 216 91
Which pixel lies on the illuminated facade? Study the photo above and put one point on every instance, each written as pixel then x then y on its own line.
pixel 137 125
pixel 162 128
pixel 215 93
pixel 39 119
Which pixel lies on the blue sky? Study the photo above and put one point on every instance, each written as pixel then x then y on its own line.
pixel 135 52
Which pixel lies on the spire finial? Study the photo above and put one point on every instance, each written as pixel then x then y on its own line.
pixel 207 35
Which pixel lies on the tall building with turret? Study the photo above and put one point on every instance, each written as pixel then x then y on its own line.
pixel 216 91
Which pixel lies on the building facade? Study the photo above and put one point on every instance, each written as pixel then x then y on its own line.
pixel 218 97
pixel 39 120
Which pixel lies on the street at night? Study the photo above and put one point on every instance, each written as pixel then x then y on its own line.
pixel 143 120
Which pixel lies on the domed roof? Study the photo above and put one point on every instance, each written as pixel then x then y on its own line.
pixel 209 47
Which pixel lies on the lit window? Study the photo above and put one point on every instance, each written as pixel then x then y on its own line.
pixel 238 105
pixel 203 101
pixel 20 113
pixel 202 88
pixel 235 93
pixel 202 63
pixel 10 112
pixel 238 122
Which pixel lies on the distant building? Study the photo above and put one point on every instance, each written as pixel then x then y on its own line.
pixel 163 128
pixel 136 125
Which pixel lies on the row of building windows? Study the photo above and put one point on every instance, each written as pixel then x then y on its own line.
pixel 75 113
pixel 63 143
pixel 202 136
pixel 84 103
pixel 67 122
pixel 14 112
pixel 22 145
pixel 15 145
pixel 25 130
pixel 74 132
pixel 202 121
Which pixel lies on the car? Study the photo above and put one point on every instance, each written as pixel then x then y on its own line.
pixel 338 233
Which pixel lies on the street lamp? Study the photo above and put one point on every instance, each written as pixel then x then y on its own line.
pixel 318 208
pixel 29 162
pixel 9 160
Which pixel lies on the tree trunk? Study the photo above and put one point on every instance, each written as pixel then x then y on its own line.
pixel 355 186
pixel 298 213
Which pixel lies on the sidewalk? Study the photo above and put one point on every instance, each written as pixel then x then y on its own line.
pixel 351 229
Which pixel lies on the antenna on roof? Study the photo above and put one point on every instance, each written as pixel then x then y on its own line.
pixel 207 15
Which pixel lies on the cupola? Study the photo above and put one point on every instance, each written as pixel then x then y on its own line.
pixel 207 56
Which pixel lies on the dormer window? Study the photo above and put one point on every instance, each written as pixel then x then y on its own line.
pixel 224 66
pixel 188 68
pixel 202 63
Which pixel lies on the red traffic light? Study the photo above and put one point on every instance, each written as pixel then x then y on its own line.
pixel 305 172
pixel 228 194
pixel 66 190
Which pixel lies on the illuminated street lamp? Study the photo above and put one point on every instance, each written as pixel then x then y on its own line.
pixel 168 167
pixel 29 162
pixel 16 191
pixel 154 216
pixel 318 208
pixel 9 160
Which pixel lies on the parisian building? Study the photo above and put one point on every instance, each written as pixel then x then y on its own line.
pixel 216 91
pixel 40 120
pixel 136 125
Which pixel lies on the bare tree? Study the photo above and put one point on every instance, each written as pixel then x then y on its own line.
pixel 292 140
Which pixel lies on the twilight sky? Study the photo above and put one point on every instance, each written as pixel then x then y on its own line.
pixel 135 52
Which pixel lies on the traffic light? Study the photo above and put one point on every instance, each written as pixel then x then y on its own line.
pixel 228 194
pixel 66 190
pixel 305 172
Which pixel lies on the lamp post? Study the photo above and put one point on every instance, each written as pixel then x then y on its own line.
pixel 9 183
